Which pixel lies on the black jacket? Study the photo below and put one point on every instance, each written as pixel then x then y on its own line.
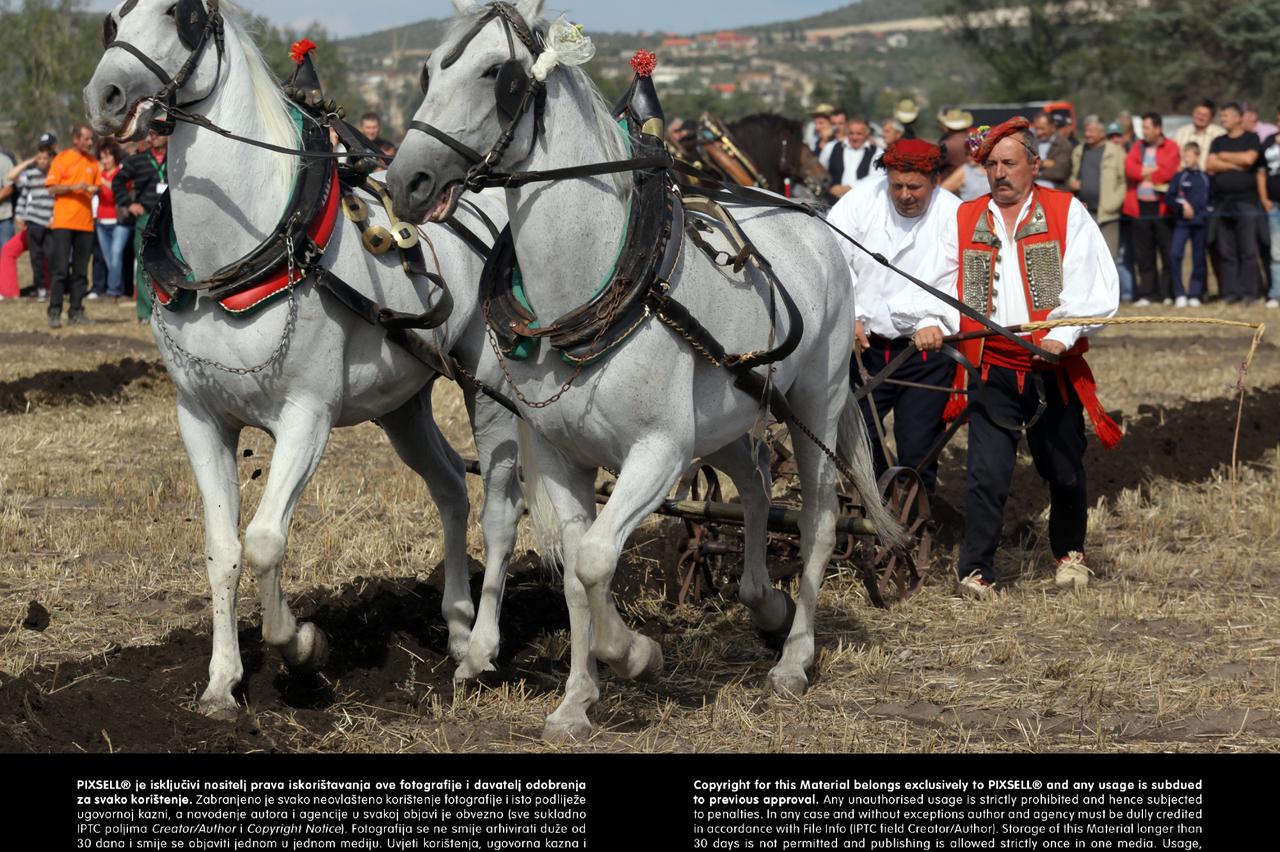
pixel 136 183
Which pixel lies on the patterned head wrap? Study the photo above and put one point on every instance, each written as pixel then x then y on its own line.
pixel 913 155
pixel 983 139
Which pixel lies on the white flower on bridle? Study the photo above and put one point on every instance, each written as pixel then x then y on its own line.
pixel 566 44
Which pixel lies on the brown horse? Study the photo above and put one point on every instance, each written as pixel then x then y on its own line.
pixel 763 150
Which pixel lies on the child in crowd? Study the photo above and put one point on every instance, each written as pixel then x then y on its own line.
pixel 1188 202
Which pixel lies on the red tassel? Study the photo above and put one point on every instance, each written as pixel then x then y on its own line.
pixel 300 49
pixel 644 62
pixel 1086 388
pixel 957 403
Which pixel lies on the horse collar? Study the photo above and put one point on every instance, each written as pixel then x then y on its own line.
pixel 299 239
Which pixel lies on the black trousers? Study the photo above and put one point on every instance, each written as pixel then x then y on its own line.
pixel 1152 236
pixel 1057 443
pixel 917 413
pixel 39 243
pixel 69 268
pixel 1237 236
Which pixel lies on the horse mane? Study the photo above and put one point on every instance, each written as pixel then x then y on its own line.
pixel 269 102
pixel 599 112
pixel 764 123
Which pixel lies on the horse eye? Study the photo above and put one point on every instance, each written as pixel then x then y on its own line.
pixel 492 73
pixel 424 79
pixel 172 11
pixel 108 31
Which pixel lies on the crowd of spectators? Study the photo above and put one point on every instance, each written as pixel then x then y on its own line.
pixel 1213 185
pixel 79 214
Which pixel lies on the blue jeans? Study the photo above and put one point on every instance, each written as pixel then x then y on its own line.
pixel 1124 264
pixel 1273 221
pixel 113 239
pixel 6 231
pixel 1182 232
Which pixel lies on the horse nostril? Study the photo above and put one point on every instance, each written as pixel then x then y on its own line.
pixel 418 183
pixel 112 96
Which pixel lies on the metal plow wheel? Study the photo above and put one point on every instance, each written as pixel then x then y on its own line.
pixel 893 575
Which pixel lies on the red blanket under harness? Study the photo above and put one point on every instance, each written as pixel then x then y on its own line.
pixel 1000 352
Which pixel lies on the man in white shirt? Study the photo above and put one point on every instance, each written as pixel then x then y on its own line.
pixel 853 160
pixel 1029 254
pixel 912 222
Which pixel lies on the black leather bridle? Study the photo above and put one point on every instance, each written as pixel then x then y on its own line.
pixel 515 91
pixel 196 28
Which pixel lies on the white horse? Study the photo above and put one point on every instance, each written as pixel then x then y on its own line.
pixel 653 405
pixel 325 366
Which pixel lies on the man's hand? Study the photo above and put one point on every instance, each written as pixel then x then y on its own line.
pixel 1053 347
pixel 1189 212
pixel 1268 205
pixel 928 339
pixel 839 190
pixel 860 342
pixel 137 210
pixel 1074 185
pixel 19 225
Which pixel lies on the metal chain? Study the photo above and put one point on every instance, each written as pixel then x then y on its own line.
pixel 614 304
pixel 292 278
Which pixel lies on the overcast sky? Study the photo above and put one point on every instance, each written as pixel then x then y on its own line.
pixel 354 17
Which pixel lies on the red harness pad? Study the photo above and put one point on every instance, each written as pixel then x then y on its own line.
pixel 320 230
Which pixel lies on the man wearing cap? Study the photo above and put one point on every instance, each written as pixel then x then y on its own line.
pixel 1028 253
pixel 73 181
pixel 912 222
pixel 825 134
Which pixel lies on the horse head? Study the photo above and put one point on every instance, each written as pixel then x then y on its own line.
pixel 155 56
pixel 480 106
pixel 797 162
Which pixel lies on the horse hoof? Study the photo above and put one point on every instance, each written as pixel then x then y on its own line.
pixel 314 648
pixel 643 660
pixel 559 730
pixel 470 670
pixel 220 709
pixel 787 684
pixel 774 639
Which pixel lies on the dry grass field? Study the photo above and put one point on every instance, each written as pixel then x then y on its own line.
pixel 104 605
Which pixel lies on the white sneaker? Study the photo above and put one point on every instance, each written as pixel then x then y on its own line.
pixel 1193 302
pixel 1167 302
pixel 1071 571
pixel 93 295
pixel 1142 303
pixel 1273 303
pixel 1180 302
pixel 976 587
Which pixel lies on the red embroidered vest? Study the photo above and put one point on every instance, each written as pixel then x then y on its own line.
pixel 1041 242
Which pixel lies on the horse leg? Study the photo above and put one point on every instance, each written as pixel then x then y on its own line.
pixel 495 434
pixel 571 490
pixel 211 448
pixel 417 440
pixel 819 409
pixel 747 463
pixel 650 469
pixel 300 437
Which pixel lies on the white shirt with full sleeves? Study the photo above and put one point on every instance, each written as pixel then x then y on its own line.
pixel 926 247
pixel 1090 283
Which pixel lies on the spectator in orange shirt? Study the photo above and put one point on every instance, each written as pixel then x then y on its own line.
pixel 73 181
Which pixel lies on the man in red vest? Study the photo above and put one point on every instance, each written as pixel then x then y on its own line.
pixel 1029 254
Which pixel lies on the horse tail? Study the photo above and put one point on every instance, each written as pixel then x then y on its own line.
pixel 854 449
pixel 542 513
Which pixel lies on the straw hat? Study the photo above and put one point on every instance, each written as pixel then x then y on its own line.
pixel 822 110
pixel 955 119
pixel 906 111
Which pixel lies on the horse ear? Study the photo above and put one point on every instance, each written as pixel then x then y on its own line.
pixel 531 10
pixel 462 7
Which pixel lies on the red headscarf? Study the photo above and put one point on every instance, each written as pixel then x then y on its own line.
pixel 983 139
pixel 913 155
